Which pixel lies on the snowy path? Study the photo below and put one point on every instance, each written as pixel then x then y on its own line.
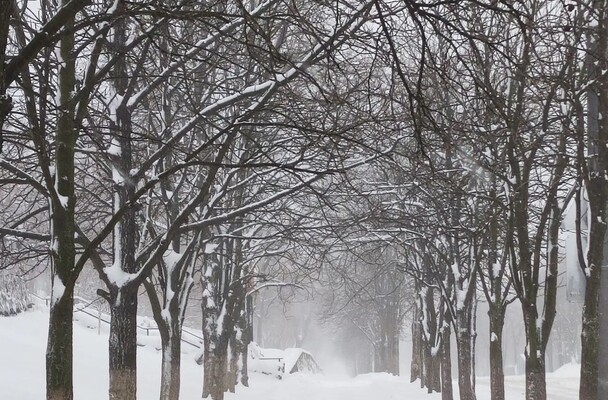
pixel 22 373
pixel 561 385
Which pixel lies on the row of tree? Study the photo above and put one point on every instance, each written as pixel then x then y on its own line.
pixel 158 142
pixel 425 146
pixel 507 107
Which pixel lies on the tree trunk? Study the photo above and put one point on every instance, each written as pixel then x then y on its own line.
pixel 232 377
pixel 63 253
pixel 171 360
pixel 215 373
pixel 215 353
pixel 392 347
pixel 465 315
pixel 535 358
pixel 432 371
pixel 447 391
pixel 123 344
pixel 590 332
pixel 238 354
pixel 59 349
pixel 467 391
pixel 380 351
pixel 535 377
pixel 497 377
pixel 247 338
pixel 596 139
pixel 416 364
pixel 464 367
pixel 394 355
pixel 6 103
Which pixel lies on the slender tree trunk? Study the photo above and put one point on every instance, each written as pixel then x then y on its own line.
pixel 447 391
pixel 497 377
pixel 123 344
pixel 247 338
pixel 6 103
pixel 473 345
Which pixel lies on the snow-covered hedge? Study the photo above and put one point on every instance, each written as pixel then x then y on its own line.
pixel 14 297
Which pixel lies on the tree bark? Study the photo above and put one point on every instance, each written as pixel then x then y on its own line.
pixel 497 377
pixel 536 388
pixel 170 370
pixel 590 340
pixel 597 189
pixel 123 297
pixel 447 391
pixel 467 391
pixel 59 369
pixel 215 375
pixel 5 101
pixel 63 253
pixel 416 369
pixel 123 344
pixel 432 371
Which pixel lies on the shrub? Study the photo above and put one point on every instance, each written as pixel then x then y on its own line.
pixel 14 297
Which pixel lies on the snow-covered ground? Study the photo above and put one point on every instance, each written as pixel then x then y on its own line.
pixel 22 374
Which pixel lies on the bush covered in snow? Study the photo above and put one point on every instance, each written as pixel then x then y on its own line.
pixel 14 297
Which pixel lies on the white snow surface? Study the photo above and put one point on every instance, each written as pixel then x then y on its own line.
pixel 22 374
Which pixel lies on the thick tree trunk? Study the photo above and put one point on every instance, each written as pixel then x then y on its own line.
pixel 123 344
pixel 596 140
pixel 392 347
pixel 497 377
pixel 244 373
pixel 170 370
pixel 238 354
pixel 232 377
pixel 380 361
pixel 590 340
pixel 393 354
pixel 416 363
pixel 432 371
pixel 59 349
pixel 215 373
pixel 590 335
pixel 63 202
pixel 467 391
pixel 536 388
pixel 447 391
pixel 215 353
